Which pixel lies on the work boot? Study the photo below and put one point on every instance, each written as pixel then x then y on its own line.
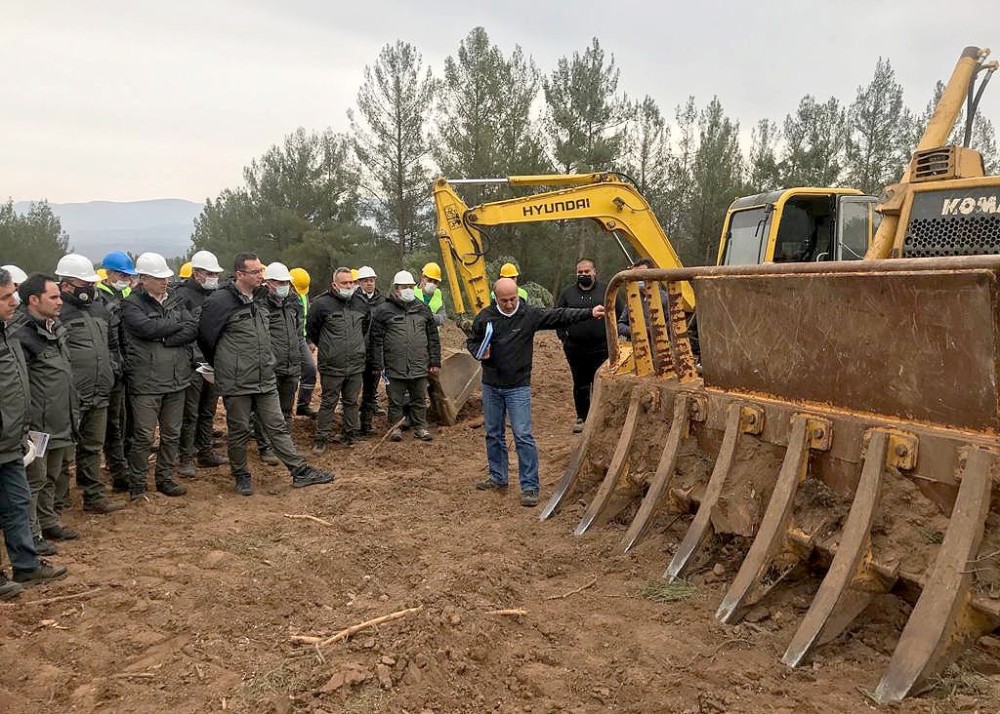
pixel 186 469
pixel 59 532
pixel 529 498
pixel 169 487
pixel 243 486
pixel 43 547
pixel 103 507
pixel 423 435
pixel 310 476
pixel 396 435
pixel 211 458
pixel 268 457
pixel 8 588
pixel 490 485
pixel 319 447
pixel 306 411
pixel 347 440
pixel 44 573
pixel 578 426
pixel 136 492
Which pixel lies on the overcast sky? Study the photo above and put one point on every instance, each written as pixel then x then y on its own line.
pixel 132 100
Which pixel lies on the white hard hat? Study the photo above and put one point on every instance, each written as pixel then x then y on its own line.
pixel 366 271
pixel 17 276
pixel 152 264
pixel 403 277
pixel 277 271
pixel 77 266
pixel 204 260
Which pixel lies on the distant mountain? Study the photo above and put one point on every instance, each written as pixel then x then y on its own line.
pixel 163 225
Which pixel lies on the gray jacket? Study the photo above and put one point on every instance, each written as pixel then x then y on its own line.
pixel 93 350
pixel 284 321
pixel 404 339
pixel 158 340
pixel 233 335
pixel 16 399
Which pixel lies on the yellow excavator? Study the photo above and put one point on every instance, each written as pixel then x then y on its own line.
pixel 844 419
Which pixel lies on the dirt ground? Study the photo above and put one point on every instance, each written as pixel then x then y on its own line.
pixel 190 604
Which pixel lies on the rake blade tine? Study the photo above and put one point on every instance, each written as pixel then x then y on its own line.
pixel 567 482
pixel 605 494
pixel 664 474
pixel 702 523
pixel 942 622
pixel 836 603
pixel 772 527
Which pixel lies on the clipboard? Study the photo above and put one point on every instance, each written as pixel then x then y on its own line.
pixel 485 345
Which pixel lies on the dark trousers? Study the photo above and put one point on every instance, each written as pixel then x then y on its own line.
pixel 307 382
pixel 148 411
pixel 408 396
pixel 92 429
pixel 346 389
pixel 286 400
pixel 369 394
pixel 583 365
pixel 267 407
pixel 15 518
pixel 200 402
pixel 115 447
pixel 43 473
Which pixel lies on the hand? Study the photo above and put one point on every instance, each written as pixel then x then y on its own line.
pixel 486 354
pixel 434 370
pixel 597 312
pixel 30 454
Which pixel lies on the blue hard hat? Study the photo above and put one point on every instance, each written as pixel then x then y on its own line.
pixel 118 260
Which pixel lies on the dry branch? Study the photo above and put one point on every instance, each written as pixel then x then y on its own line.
pixel 385 436
pixel 573 592
pixel 307 517
pixel 508 612
pixel 61 598
pixel 353 629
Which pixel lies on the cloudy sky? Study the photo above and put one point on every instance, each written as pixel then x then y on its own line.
pixel 132 100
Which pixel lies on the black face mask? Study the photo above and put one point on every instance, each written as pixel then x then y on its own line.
pixel 84 294
pixel 585 281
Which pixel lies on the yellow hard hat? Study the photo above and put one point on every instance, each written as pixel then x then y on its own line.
pixel 300 279
pixel 185 271
pixel 432 271
pixel 354 273
pixel 508 270
pixel 102 274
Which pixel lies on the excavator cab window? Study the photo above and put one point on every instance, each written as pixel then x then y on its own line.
pixel 747 236
pixel 857 222
pixel 805 233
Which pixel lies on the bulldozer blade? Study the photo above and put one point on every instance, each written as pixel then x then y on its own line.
pixel 837 603
pixel 943 623
pixel 452 386
pixel 567 482
pixel 664 473
pixel 701 526
pixel 602 506
pixel 747 588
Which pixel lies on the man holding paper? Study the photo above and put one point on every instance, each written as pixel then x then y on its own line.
pixel 503 339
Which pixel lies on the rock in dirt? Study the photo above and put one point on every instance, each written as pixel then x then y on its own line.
pixel 718 570
pixel 214 559
pixel 348 675
pixel 758 614
pixel 384 675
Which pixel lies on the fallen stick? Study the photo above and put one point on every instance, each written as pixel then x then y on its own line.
pixel 133 675
pixel 61 598
pixel 353 629
pixel 307 517
pixel 573 592
pixel 385 436
pixel 508 613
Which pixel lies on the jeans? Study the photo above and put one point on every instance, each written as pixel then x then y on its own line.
pixel 583 366
pixel 239 411
pixel 15 502
pixel 515 404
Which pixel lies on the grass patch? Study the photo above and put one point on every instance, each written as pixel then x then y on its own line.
pixel 662 591
pixel 930 535
pixel 367 700
pixel 281 679
pixel 960 679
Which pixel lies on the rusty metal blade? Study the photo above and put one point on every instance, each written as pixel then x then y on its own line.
pixel 700 527
pixel 602 501
pixel 772 526
pixel 664 474
pixel 836 603
pixel 568 480
pixel 942 622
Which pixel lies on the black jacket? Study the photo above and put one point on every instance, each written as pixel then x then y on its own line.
pixel 284 322
pixel 15 398
pixel 234 337
pixel 590 336
pixel 93 349
pixel 404 339
pixel 339 327
pixel 194 297
pixel 512 344
pixel 158 343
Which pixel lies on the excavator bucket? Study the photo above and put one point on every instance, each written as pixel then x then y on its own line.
pixel 843 420
pixel 452 386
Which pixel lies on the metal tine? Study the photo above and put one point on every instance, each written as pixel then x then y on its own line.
pixel 942 623
pixel 684 363
pixel 602 501
pixel 700 527
pixel 772 527
pixel 837 602
pixel 637 330
pixel 664 473
pixel 567 481
pixel 662 357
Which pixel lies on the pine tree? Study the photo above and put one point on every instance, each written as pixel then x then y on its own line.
pixel 875 152
pixel 815 143
pixel 763 173
pixel 33 241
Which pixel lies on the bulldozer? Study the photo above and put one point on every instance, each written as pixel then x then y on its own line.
pixel 844 419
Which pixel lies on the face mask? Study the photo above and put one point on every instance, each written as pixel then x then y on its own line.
pixel 121 285
pixel 84 294
pixel 429 288
pixel 407 295
pixel 210 283
pixel 585 281
pixel 346 293
pixel 282 291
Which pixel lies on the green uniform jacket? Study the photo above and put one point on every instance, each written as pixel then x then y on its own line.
pixel 284 323
pixel 93 350
pixel 234 337
pixel 435 302
pixel 158 339
pixel 404 339
pixel 16 399
pixel 337 326
pixel 50 378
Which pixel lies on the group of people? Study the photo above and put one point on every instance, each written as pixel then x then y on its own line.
pixel 107 362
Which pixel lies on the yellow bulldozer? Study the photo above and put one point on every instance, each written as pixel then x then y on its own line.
pixel 845 415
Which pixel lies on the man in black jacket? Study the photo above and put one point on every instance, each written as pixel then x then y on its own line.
pixel 368 291
pixel 506 359
pixel 234 338
pixel 405 343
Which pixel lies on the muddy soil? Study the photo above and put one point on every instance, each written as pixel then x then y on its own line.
pixel 190 604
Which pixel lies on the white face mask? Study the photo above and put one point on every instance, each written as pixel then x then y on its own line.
pixel 346 293
pixel 282 291
pixel 407 295
pixel 121 285
pixel 210 283
pixel 429 287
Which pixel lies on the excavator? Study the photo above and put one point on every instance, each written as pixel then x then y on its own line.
pixel 843 422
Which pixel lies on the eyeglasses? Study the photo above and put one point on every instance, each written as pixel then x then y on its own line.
pixel 259 271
